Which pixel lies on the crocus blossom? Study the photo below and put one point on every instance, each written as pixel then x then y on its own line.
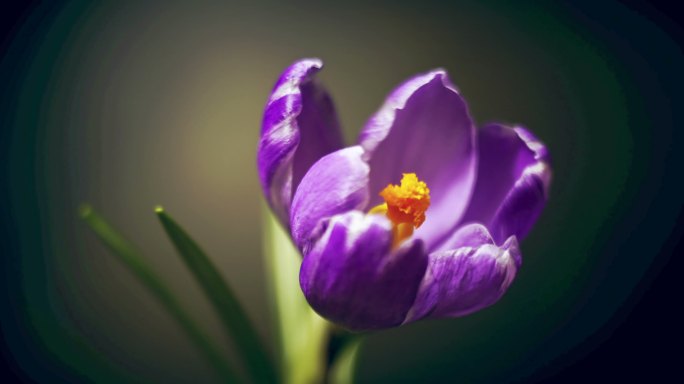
pixel 421 218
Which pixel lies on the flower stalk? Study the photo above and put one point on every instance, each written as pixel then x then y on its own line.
pixel 302 335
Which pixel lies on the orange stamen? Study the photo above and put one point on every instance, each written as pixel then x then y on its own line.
pixel 405 205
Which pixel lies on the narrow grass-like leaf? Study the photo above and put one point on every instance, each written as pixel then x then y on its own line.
pixel 302 334
pixel 130 257
pixel 226 304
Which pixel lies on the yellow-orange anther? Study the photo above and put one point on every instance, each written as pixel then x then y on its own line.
pixel 405 206
pixel 407 203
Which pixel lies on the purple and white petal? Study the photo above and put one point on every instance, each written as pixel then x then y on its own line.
pixel 424 127
pixel 469 235
pixel 354 278
pixel 299 127
pixel 335 184
pixel 512 183
pixel 466 279
pixel 523 204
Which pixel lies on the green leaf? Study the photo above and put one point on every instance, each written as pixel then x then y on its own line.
pixel 302 334
pixel 231 313
pixel 130 257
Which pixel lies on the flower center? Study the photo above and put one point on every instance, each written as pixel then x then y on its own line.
pixel 404 205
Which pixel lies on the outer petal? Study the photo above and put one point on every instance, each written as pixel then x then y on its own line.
pixel 424 127
pixel 353 278
pixel 470 235
pixel 335 184
pixel 512 183
pixel 466 279
pixel 299 127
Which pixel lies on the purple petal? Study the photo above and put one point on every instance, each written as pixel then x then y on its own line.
pixel 352 277
pixel 466 279
pixel 335 184
pixel 299 127
pixel 467 236
pixel 424 127
pixel 512 183
pixel 523 204
pixel 541 153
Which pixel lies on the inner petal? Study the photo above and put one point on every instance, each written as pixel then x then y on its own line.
pixel 424 127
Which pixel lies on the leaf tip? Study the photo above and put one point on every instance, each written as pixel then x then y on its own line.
pixel 159 209
pixel 84 210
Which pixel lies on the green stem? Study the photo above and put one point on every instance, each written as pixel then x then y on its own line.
pixel 342 368
pixel 302 334
pixel 130 257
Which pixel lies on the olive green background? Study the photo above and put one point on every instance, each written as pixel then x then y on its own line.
pixel 131 104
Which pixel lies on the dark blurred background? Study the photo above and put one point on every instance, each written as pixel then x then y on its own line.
pixel 131 104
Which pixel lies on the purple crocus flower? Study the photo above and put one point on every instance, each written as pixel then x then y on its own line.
pixel 444 243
